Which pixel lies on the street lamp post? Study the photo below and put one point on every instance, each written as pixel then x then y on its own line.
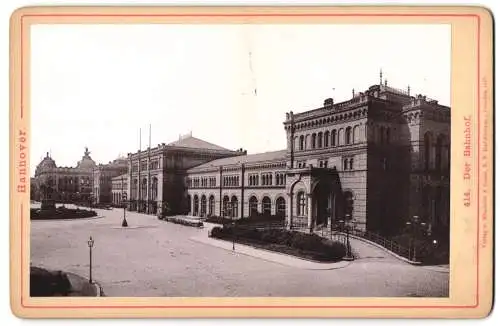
pixel 90 243
pixel 345 228
pixel 347 224
pixel 231 209
pixel 414 223
pixel 330 218
pixel 124 199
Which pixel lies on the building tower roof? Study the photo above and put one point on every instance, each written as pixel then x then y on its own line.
pixel 87 162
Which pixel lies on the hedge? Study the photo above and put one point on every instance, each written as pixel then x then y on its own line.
pixel 182 221
pixel 60 213
pixel 316 246
pixel 244 221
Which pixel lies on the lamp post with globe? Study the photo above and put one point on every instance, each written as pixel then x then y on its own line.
pixel 124 200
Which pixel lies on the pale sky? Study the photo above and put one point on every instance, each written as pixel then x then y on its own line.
pixel 96 85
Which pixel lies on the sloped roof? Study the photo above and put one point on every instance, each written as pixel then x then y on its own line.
pixel 119 177
pixel 193 142
pixel 243 159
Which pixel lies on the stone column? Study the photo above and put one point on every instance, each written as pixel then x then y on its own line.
pixel 309 212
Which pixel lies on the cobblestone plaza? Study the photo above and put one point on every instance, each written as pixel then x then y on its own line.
pixel 153 258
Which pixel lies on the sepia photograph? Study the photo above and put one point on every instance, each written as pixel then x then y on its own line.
pixel 251 162
pixel 240 160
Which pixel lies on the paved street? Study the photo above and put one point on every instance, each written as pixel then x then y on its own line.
pixel 157 258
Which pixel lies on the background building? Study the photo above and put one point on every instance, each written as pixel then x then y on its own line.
pixel 157 175
pixel 119 186
pixel 102 180
pixel 63 184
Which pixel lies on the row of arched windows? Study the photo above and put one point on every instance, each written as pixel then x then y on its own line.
pixel 349 135
pixel 231 181
pixel 153 195
pixel 117 198
pixel 202 207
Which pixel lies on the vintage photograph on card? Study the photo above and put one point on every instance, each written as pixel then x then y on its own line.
pixel 251 162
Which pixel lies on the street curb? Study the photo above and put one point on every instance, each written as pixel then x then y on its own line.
pixel 437 270
pixel 98 288
pixel 301 261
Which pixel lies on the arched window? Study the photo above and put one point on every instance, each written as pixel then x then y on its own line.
pixel 225 206
pixel 266 206
pixel 211 205
pixel 349 204
pixel 326 139
pixel 346 164
pixel 234 206
pixel 301 204
pixel 134 189
pixel 355 134
pixel 351 163
pixel 313 141
pixel 253 204
pixel 306 143
pixel 439 152
pixel 203 205
pixel 320 140
pixel 334 137
pixel 341 137
pixel 154 190
pixel 427 150
pixel 280 206
pixel 196 205
pixel 301 143
pixel 144 188
pixel 348 134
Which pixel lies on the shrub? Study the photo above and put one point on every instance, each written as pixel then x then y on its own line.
pixel 427 252
pixel 316 246
pixel 182 221
pixel 44 283
pixel 60 213
pixel 217 232
pixel 218 220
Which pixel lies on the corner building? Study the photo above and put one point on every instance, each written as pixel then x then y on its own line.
pixel 63 184
pixel 375 160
